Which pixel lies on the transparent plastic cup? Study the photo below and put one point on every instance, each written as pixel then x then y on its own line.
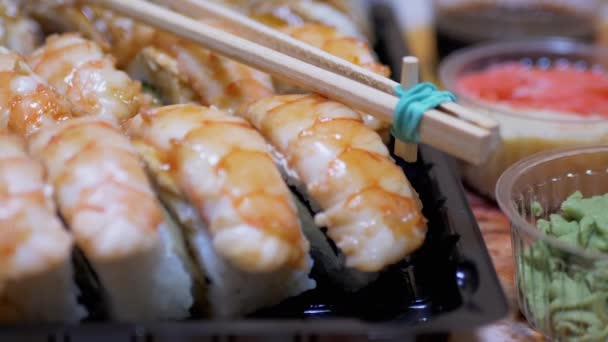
pixel 524 132
pixel 562 288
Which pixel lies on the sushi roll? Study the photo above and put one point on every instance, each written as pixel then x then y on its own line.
pixel 358 193
pixel 105 198
pixel 142 51
pixel 36 272
pixel 163 67
pixel 217 177
pixel 176 66
pixel 178 72
pixel 80 71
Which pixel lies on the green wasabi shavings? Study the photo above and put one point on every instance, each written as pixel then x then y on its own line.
pixel 560 226
pixel 537 209
pixel 565 294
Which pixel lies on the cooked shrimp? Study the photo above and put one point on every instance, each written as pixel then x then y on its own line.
pixel 217 80
pixel 36 273
pixel 222 166
pixel 73 150
pixel 332 41
pixel 88 79
pixel 280 13
pixel 102 190
pixel 159 69
pixel 120 36
pixel 26 102
pixel 348 48
pixel 106 200
pixel 32 238
pixel 371 211
pixel 104 196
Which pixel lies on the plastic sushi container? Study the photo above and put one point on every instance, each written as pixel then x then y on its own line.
pixel 448 284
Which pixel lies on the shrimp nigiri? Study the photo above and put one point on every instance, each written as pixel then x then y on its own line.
pixel 104 195
pixel 88 79
pixel 36 273
pixel 371 211
pixel 221 166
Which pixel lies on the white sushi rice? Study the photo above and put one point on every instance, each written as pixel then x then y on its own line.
pixel 48 297
pixel 332 265
pixel 147 287
pixel 231 292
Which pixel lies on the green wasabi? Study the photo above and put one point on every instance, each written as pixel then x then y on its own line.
pixel 537 209
pixel 566 294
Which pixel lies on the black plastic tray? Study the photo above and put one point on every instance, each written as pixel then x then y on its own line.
pixel 448 284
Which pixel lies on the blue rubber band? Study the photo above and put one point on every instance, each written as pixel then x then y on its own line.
pixel 413 102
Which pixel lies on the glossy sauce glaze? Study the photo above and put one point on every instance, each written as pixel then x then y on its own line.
pixel 80 71
pixel 27 102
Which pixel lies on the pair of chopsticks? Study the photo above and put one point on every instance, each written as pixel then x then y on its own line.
pixel 452 129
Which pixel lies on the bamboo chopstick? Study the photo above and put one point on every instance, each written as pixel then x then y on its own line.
pixel 258 33
pixel 456 137
pixel 409 78
pixel 276 40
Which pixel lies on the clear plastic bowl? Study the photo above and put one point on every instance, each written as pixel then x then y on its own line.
pixel 524 132
pixel 562 289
